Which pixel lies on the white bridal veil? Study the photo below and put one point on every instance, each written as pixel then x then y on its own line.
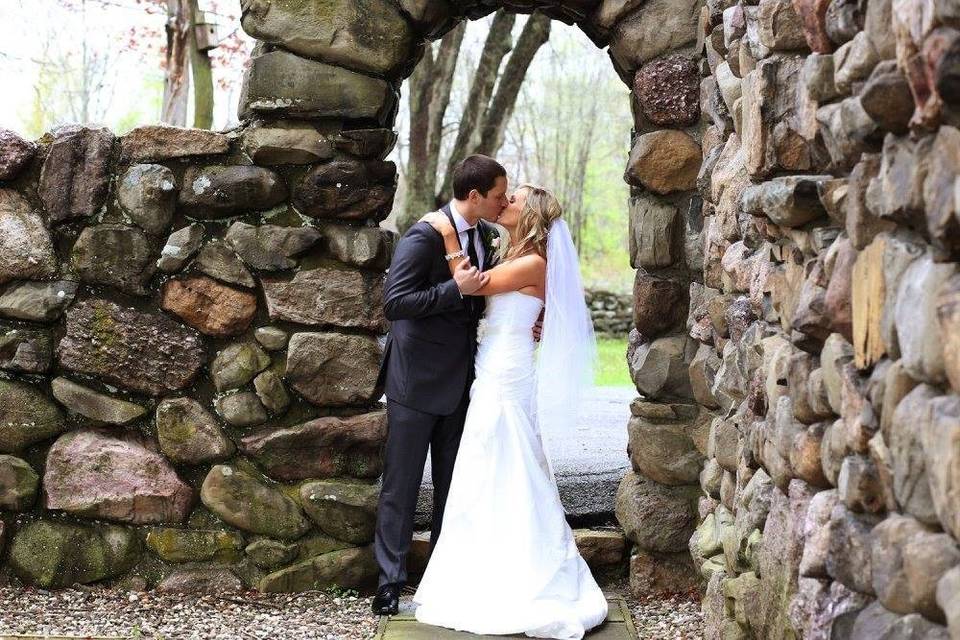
pixel 568 348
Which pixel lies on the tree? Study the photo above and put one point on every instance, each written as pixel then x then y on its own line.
pixel 555 129
pixel 73 79
pixel 186 54
pixel 176 85
pixel 486 111
pixel 183 50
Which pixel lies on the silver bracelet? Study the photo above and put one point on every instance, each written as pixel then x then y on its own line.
pixel 455 254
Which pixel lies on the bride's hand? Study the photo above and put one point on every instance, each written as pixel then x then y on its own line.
pixel 439 222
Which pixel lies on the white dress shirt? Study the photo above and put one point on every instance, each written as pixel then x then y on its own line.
pixel 462 227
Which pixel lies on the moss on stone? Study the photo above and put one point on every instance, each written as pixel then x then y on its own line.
pixel 58 554
pixel 191 545
pixel 27 416
pixel 348 568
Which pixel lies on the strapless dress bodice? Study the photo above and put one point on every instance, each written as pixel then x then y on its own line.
pixel 510 312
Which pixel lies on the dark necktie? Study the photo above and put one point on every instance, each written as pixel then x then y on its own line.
pixel 472 248
pixel 474 262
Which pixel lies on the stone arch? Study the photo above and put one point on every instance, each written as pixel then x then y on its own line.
pixel 240 351
pixel 340 64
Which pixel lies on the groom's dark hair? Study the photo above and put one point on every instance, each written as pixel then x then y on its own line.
pixel 478 172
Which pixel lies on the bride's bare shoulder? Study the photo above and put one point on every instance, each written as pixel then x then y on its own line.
pixel 531 261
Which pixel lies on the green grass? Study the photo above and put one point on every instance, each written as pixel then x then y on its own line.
pixel 612 363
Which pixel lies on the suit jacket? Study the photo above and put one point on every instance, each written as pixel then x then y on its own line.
pixel 429 355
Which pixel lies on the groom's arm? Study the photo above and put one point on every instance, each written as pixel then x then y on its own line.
pixel 408 293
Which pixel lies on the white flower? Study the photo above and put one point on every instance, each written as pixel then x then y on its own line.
pixel 495 243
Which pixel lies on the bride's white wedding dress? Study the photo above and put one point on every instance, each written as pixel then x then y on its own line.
pixel 506 561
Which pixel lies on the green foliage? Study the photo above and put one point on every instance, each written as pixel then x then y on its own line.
pixel 336 591
pixel 612 363
pixel 570 133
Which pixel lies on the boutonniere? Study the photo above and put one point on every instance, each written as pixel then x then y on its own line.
pixel 491 237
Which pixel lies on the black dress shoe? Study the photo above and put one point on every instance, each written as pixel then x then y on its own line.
pixel 387 600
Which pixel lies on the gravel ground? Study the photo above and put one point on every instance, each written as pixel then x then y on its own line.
pixel 314 615
pixel 674 618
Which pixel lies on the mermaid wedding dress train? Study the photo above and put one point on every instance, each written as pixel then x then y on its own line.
pixel 506 561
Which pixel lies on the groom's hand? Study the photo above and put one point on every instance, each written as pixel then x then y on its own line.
pixel 469 279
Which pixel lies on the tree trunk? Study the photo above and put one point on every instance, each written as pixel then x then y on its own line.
pixel 202 75
pixel 446 65
pixel 176 84
pixel 485 114
pixel 535 34
pixel 498 44
pixel 420 183
pixel 430 87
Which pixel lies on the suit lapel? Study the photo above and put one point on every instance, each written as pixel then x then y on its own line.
pixel 487 233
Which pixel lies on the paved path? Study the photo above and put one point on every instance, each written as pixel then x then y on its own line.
pixel 617 626
pixel 589 471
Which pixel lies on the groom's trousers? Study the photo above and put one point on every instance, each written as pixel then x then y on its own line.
pixel 410 434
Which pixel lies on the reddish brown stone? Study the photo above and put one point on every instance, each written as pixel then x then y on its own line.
pixel 837 301
pixel 75 176
pixel 933 75
pixel 146 352
pixel 813 15
pixel 654 573
pixel 209 306
pixel 659 304
pixel 664 161
pixel 161 142
pixel 668 91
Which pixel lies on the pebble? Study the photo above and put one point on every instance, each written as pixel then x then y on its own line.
pixel 311 615
pixel 95 611
pixel 667 618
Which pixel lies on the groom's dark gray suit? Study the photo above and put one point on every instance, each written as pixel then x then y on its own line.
pixel 427 371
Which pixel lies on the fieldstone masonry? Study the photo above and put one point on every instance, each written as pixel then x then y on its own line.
pixel 824 320
pixel 189 319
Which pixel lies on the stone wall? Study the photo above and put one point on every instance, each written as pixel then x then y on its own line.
pixel 612 313
pixel 821 342
pixel 190 321
pixel 198 407
pixel 189 350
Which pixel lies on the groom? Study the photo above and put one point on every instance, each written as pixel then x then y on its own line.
pixel 428 361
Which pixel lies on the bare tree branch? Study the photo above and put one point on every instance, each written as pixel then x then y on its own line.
pixel 498 43
pixel 445 67
pixel 535 33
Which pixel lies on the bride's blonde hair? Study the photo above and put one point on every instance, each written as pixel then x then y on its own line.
pixel 539 211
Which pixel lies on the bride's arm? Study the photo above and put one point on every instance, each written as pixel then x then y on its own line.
pixel 525 271
pixel 451 243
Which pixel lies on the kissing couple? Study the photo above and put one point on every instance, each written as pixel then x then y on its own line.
pixel 481 402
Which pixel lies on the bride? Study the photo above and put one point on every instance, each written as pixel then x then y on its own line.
pixel 506 561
